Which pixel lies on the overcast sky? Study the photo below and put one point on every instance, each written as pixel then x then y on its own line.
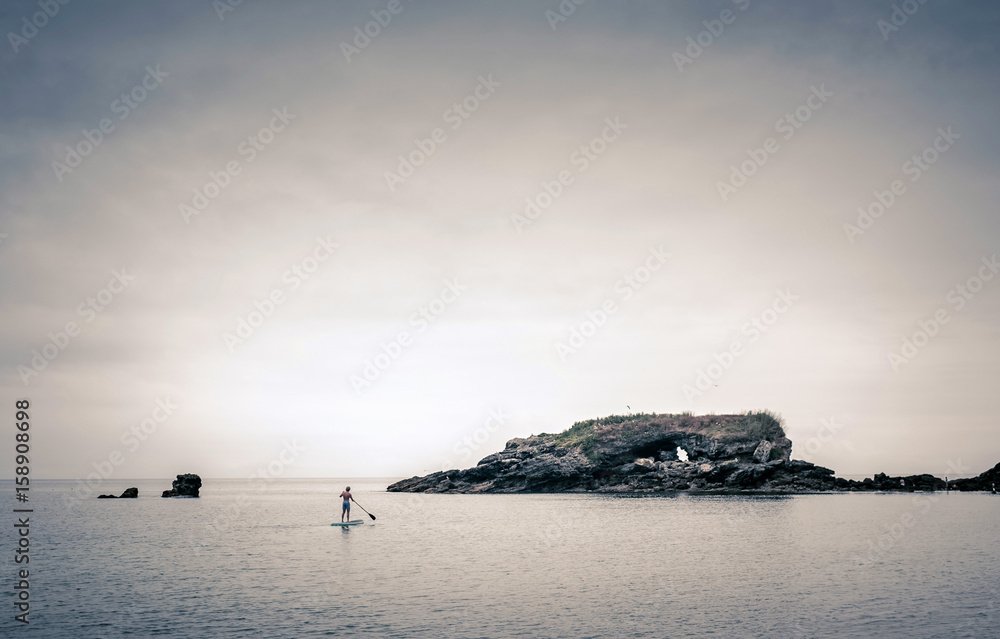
pixel 696 201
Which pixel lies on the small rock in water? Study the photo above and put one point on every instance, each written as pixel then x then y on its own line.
pixel 184 486
pixel 130 493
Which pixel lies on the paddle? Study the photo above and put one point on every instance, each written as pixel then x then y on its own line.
pixel 366 512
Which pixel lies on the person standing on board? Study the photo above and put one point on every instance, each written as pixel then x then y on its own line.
pixel 346 511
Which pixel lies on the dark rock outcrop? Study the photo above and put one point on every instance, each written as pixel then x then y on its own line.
pixel 989 480
pixel 881 481
pixel 638 453
pixel 184 486
pixel 130 493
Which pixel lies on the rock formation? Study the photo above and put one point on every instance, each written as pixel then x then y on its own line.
pixel 882 481
pixel 989 480
pixel 130 493
pixel 638 453
pixel 184 486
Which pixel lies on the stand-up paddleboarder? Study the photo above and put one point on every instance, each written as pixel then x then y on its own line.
pixel 346 510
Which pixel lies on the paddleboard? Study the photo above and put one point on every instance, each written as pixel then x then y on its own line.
pixel 353 522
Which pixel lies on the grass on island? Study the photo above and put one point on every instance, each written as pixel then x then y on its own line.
pixel 761 424
pixel 757 425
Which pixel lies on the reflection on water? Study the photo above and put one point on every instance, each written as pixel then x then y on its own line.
pixel 246 562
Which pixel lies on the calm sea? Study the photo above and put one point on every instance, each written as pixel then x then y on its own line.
pixel 249 560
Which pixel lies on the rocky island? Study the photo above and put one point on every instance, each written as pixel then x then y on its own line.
pixel 186 485
pixel 645 453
